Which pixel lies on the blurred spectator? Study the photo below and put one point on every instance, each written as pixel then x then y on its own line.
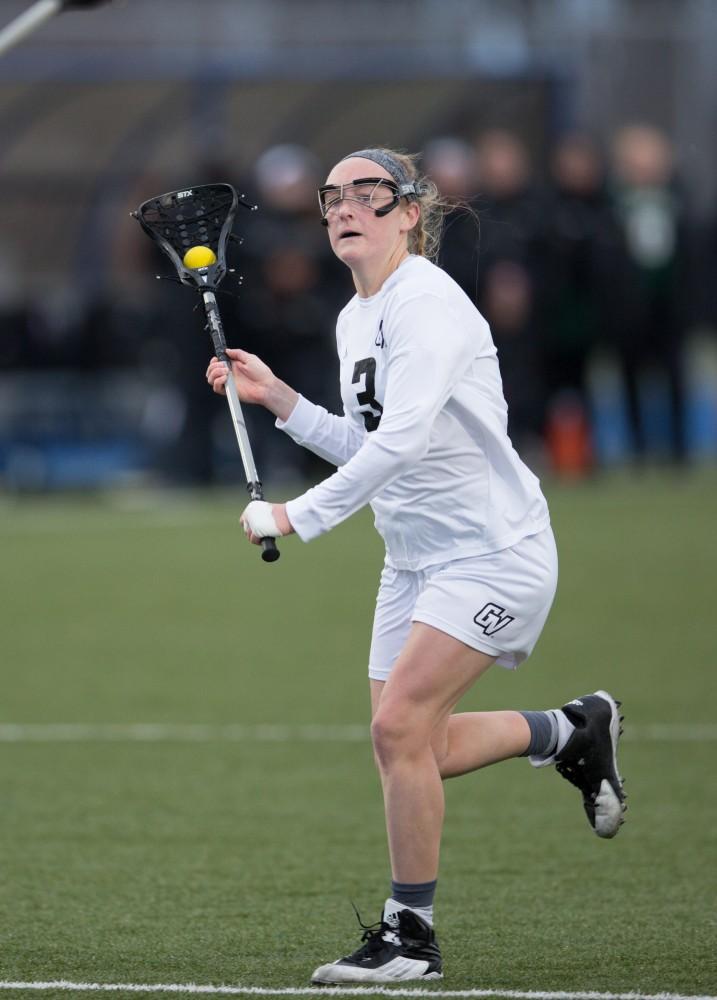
pixel 451 165
pixel 583 249
pixel 649 308
pixel 13 339
pixel 702 293
pixel 13 316
pixel 508 307
pixel 512 210
pixel 512 232
pixel 287 177
pixel 56 332
pixel 582 240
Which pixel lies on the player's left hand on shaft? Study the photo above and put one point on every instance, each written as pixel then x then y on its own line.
pixel 265 520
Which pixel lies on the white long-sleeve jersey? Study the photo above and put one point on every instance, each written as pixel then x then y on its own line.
pixel 424 436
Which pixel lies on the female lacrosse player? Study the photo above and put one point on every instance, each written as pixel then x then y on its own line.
pixel 471 567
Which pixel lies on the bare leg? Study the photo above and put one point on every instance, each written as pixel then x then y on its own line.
pixel 471 740
pixel 416 745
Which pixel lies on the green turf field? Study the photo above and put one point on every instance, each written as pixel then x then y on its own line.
pixel 223 845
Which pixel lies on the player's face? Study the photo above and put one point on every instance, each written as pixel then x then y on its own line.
pixel 357 235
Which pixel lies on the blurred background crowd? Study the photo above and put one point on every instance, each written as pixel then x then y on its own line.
pixel 588 241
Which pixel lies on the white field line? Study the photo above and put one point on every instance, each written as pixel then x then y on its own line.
pixel 336 991
pixel 194 732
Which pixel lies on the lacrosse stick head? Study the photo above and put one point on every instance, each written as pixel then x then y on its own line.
pixel 201 216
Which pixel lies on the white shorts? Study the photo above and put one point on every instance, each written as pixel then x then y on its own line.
pixel 496 603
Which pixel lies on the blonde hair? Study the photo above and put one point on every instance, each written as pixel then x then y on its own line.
pixel 424 239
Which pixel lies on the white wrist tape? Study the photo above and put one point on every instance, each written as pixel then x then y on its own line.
pixel 259 518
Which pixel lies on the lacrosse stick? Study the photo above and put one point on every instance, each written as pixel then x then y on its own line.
pixel 31 19
pixel 192 227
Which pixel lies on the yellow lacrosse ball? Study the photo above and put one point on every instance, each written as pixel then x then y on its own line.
pixel 197 257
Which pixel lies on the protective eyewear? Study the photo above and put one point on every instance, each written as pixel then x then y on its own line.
pixel 377 193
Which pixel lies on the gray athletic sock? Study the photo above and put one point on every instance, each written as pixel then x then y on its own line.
pixel 413 894
pixel 543 733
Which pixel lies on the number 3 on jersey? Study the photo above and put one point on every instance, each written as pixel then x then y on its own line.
pixel 366 396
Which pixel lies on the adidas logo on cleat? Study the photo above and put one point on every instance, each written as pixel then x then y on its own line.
pixel 402 947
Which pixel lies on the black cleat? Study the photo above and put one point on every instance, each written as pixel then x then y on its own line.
pixel 589 760
pixel 403 948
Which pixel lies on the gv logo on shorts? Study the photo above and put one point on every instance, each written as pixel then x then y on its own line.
pixel 492 618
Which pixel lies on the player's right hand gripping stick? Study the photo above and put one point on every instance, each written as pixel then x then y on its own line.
pixel 258 520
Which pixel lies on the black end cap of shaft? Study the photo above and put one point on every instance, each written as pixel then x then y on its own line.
pixel 269 551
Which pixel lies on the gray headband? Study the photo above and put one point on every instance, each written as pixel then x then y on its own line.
pixel 406 187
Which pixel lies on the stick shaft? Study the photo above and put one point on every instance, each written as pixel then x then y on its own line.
pixel 27 22
pixel 252 476
pixel 270 552
pixel 217 332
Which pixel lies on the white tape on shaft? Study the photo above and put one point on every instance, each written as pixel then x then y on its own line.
pixel 258 515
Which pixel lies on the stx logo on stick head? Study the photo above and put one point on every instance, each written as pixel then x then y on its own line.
pixel 492 618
